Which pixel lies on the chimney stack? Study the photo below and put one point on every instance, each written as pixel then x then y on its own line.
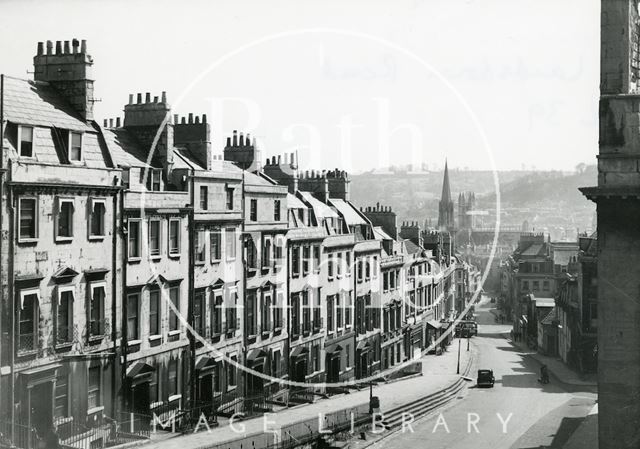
pixel 68 73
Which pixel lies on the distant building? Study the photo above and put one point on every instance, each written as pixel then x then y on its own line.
pixel 466 207
pixel 446 220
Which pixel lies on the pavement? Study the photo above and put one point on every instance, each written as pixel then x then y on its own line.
pixel 518 413
pixel 438 373
pixel 557 368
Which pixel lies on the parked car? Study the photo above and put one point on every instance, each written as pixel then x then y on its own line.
pixel 485 378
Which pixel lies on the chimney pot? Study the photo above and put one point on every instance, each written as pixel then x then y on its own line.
pixel 183 121
pixel 117 122
pixel 147 97
pixel 58 47
pixel 139 98
pixel 67 49
pixel 83 46
pixel 155 99
pixel 197 119
pixel 40 48
pixel 106 123
pixel 204 118
pixel 49 47
pixel 241 139
pixel 75 44
pixel 235 138
pixel 110 123
pixel 190 117
pixel 176 118
pixel 228 141
pixel 293 160
pixel 164 97
pixel 279 160
pixel 130 98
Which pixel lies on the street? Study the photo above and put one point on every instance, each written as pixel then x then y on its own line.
pixel 518 413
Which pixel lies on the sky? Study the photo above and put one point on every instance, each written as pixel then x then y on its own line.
pixel 360 85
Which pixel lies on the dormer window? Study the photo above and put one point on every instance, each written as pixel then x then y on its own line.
pixel 75 147
pixel 153 179
pixel 25 141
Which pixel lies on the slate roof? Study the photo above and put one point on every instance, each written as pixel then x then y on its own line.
pixel 294 203
pixel 379 234
pixel 411 247
pixel 38 104
pixel 350 215
pixel 124 148
pixel 533 250
pixel 321 210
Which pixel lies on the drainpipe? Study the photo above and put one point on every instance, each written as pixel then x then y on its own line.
pixel 245 341
pixel 114 286
pixel 12 296
pixel 192 339
pixel 1 194
pixel 124 344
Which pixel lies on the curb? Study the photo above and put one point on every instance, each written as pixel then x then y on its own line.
pixel 554 375
pixel 422 407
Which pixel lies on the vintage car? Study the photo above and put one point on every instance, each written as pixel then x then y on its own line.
pixel 485 378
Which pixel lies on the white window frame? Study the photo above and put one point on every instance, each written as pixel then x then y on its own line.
pixel 152 174
pixel 159 221
pixel 27 292
pixel 71 133
pixel 33 135
pixel 159 317
pixel 59 202
pixel 92 204
pixel 229 257
pixel 200 234
pixel 92 286
pixel 131 258
pixel 60 290
pixel 35 217
pixel 169 249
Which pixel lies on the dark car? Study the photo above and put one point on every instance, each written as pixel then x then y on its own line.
pixel 485 378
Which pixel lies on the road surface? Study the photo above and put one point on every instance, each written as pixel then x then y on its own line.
pixel 518 413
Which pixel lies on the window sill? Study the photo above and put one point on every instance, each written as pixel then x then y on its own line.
pixel 133 260
pixel 155 258
pixel 67 345
pixel 96 237
pixel 199 263
pixel 94 410
pixel 174 332
pixel 174 256
pixel 134 342
pixel 27 241
pixel 174 398
pixel 155 337
pixel 216 261
pixel 64 239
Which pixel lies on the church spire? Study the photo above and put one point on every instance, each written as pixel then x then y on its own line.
pixel 446 190
pixel 445 209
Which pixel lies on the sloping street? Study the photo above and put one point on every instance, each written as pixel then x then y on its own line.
pixel 518 413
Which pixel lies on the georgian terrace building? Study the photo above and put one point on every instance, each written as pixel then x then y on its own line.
pixel 59 206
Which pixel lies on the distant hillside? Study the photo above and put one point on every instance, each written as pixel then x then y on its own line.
pixel 547 200
pixel 546 187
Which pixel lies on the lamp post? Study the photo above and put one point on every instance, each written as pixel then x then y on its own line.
pixel 458 369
